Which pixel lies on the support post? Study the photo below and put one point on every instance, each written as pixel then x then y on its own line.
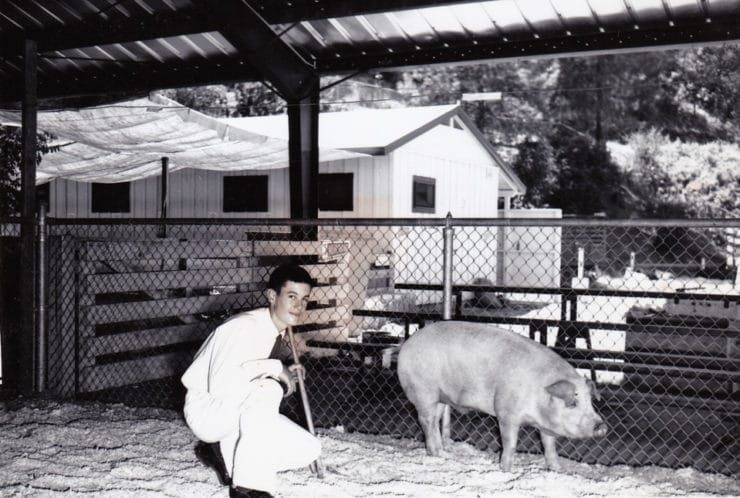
pixel 41 340
pixel 27 335
pixel 449 234
pixel 164 195
pixel 303 152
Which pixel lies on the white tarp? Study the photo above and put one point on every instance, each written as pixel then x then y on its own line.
pixel 126 141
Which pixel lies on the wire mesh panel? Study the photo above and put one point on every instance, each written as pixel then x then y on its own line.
pixel 648 311
pixel 10 318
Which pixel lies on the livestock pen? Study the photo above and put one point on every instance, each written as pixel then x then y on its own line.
pixel 648 309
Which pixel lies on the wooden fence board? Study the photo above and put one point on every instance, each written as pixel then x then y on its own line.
pixel 325 293
pixel 324 272
pixel 326 314
pixel 141 310
pixel 167 248
pixel 150 338
pixel 211 263
pixel 94 378
pixel 286 248
pixel 134 265
pixel 123 282
pixel 321 272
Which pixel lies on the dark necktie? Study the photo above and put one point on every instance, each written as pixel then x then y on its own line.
pixel 275 353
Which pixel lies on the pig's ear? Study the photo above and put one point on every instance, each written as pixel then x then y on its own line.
pixel 565 390
pixel 594 391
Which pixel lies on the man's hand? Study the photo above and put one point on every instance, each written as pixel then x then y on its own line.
pixel 288 380
pixel 297 371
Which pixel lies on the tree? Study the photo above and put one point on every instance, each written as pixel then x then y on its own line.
pixel 587 180
pixel 10 180
pixel 520 115
pixel 708 82
pixel 533 165
pixel 10 161
pixel 211 99
pixel 255 99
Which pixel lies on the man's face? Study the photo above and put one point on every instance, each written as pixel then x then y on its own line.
pixel 287 306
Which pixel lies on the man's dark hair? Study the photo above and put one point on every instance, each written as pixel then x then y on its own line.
pixel 289 272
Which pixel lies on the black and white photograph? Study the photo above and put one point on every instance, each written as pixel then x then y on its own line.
pixel 344 249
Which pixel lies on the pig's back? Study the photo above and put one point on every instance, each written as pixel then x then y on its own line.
pixel 457 347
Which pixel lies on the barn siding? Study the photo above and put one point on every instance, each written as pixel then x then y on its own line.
pixel 467 183
pixel 192 194
pixel 197 193
pixel 370 184
pixel 466 175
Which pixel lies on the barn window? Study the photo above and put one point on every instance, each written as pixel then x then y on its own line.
pixel 245 194
pixel 423 195
pixel 336 192
pixel 111 197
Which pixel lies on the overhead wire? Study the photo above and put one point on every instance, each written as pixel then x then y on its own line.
pixel 398 98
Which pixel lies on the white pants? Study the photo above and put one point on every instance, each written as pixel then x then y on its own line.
pixel 256 441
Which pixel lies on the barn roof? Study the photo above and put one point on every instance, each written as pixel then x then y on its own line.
pixel 371 131
pixel 126 141
pixel 379 131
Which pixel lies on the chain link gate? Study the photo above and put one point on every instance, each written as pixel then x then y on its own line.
pixel 647 309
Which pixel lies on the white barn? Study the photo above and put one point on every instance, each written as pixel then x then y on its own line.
pixel 396 163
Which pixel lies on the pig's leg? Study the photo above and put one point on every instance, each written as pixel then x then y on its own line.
pixel 551 453
pixel 429 420
pixel 509 435
pixel 443 412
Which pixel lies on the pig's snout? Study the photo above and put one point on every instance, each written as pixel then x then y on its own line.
pixel 600 429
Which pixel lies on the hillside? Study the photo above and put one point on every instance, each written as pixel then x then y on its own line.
pixel 671 120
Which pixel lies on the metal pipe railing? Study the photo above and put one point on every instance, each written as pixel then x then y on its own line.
pixel 41 334
pixel 448 251
pixel 411 222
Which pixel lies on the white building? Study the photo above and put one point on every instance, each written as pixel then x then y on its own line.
pixel 379 163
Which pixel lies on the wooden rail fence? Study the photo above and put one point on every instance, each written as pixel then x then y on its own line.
pixel 143 307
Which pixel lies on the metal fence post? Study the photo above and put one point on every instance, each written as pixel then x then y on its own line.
pixel 41 303
pixel 449 234
pixel 164 196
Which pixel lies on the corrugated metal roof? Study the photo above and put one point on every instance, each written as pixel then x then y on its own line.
pixel 108 46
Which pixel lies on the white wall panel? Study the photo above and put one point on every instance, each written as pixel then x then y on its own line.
pixel 466 175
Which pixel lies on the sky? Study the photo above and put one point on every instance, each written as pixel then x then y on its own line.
pixel 55 449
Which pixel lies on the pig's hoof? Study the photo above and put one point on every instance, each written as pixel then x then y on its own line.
pixel 434 450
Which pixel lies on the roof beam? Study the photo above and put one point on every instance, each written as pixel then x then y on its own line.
pixel 143 79
pixel 278 62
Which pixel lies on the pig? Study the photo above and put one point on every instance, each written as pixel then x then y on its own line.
pixel 496 371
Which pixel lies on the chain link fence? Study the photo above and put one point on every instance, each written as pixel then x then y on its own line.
pixel 649 310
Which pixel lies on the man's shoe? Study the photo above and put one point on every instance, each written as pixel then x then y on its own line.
pixel 239 492
pixel 210 455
